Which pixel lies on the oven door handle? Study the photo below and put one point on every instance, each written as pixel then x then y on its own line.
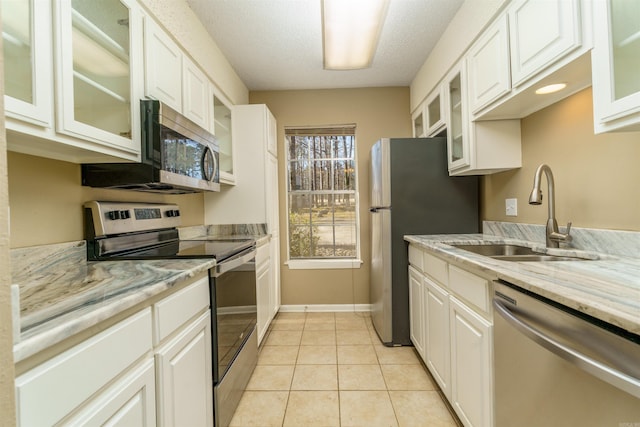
pixel 234 262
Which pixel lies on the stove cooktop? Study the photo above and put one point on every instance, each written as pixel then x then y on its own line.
pixel 217 249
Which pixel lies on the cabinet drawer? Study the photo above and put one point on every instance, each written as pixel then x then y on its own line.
pixel 470 287
pixel 175 310
pixel 415 258
pixel 47 393
pixel 436 268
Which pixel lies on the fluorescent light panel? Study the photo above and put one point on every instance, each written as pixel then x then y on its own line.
pixel 350 31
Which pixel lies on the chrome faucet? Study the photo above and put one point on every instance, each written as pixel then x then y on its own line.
pixel 554 237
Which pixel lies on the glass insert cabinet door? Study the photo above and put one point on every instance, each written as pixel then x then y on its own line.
pixel 615 64
pixel 26 34
pixel 98 78
pixel 457 138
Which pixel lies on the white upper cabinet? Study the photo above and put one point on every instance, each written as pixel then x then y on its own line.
pixel 26 34
pixel 488 66
pixel 616 64
pixel 541 32
pixel 477 147
pixel 221 121
pixel 457 133
pixel 173 78
pixel 98 71
pixel 195 93
pixel 163 66
pixel 434 113
pixel 418 122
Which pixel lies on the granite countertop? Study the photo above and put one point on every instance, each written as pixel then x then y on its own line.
pixel 60 293
pixel 607 288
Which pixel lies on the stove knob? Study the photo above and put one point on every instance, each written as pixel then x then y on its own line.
pixel 125 215
pixel 113 215
pixel 173 213
pixel 176 212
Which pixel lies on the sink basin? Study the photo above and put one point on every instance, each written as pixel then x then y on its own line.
pixel 509 252
pixel 498 249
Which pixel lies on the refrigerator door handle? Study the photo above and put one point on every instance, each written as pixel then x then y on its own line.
pixel 378 209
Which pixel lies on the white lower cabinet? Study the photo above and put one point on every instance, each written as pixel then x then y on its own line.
pixel 471 365
pixel 416 310
pixel 449 313
pixel 151 369
pixel 130 402
pixel 436 327
pixel 184 377
pixel 263 290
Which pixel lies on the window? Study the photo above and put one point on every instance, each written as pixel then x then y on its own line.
pixel 322 194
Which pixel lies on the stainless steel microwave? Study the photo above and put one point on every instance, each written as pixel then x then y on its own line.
pixel 177 157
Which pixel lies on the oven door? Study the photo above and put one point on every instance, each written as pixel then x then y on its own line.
pixel 233 303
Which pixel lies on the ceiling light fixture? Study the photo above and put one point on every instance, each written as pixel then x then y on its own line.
pixel 351 29
pixel 550 88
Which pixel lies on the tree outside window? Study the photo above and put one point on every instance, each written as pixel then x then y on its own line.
pixel 322 193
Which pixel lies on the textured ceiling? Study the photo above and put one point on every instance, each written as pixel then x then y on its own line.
pixel 277 44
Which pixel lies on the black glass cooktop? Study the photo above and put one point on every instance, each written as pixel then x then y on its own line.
pixel 217 249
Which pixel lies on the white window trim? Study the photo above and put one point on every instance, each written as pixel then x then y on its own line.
pixel 328 263
pixel 323 264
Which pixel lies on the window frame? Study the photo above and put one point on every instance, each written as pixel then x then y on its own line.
pixel 327 262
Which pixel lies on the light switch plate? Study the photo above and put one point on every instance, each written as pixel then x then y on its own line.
pixel 511 207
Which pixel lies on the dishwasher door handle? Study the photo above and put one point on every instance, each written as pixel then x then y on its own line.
pixel 609 374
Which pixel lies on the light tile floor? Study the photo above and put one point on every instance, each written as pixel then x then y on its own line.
pixel 330 369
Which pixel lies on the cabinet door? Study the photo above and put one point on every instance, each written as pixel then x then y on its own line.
pixel 471 365
pixel 418 122
pixel 541 32
pixel 488 66
pixel 49 392
pixel 195 94
pixel 616 61
pixel 272 194
pixel 222 129
pixel 416 320
pixel 435 114
pixel 457 123
pixel 436 342
pixel 185 378
pixel 272 134
pixel 28 66
pixel 263 292
pixel 130 402
pixel 274 252
pixel 99 71
pixel 162 66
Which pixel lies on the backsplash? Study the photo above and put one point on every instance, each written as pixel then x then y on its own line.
pixel 223 230
pixel 612 242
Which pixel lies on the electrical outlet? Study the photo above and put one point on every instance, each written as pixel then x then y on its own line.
pixel 511 207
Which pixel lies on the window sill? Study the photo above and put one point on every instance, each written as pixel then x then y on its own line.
pixel 323 264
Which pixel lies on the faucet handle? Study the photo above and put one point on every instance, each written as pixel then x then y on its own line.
pixel 568 229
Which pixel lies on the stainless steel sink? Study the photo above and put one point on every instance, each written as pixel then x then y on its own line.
pixel 497 249
pixel 508 252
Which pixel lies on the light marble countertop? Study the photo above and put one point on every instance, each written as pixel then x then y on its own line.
pixel 61 293
pixel 607 288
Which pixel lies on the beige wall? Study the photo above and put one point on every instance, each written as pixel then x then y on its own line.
pixel 596 176
pixel 46 198
pixel 377 112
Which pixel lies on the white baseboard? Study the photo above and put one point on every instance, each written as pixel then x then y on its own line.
pixel 317 308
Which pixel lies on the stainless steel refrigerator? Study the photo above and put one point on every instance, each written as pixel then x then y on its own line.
pixel 411 193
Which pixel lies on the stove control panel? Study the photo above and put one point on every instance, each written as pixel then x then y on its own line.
pixel 109 218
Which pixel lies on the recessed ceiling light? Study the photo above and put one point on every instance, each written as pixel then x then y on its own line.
pixel 350 32
pixel 550 88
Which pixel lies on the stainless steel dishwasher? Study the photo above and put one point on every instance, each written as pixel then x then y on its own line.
pixel 557 367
